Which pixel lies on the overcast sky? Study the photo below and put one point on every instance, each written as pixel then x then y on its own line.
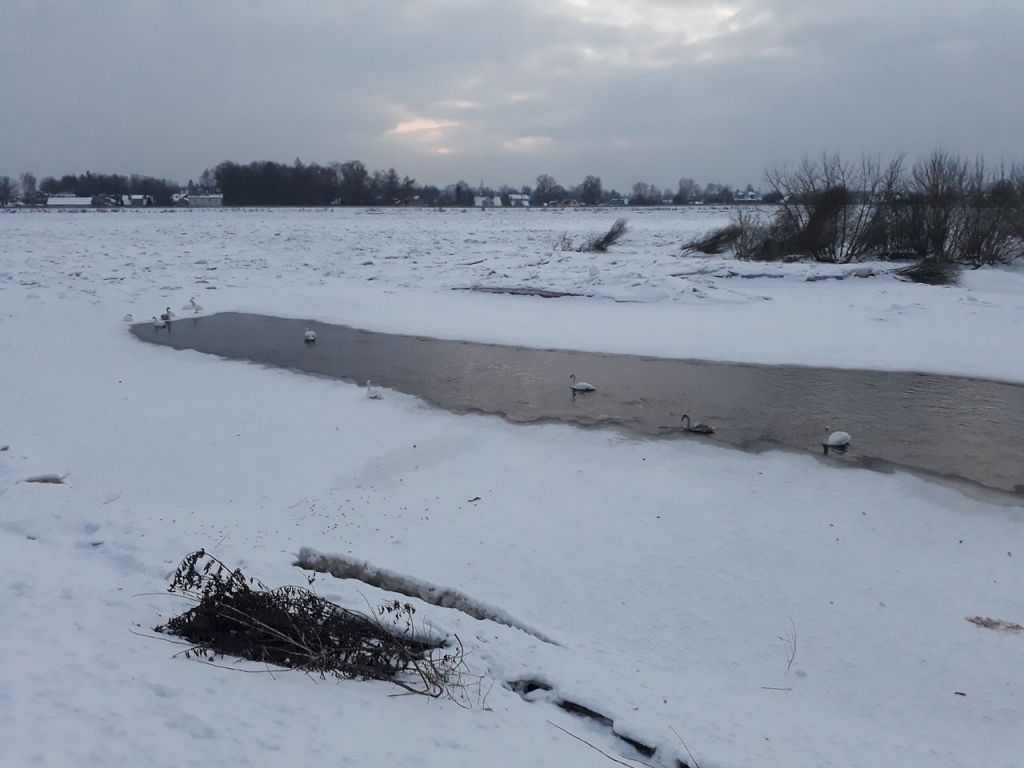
pixel 628 90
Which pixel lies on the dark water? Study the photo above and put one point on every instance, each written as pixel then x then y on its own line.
pixel 942 426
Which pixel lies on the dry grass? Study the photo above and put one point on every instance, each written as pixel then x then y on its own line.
pixel 712 243
pixel 48 479
pixel 996 624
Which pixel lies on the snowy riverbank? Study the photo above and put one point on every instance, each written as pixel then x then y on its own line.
pixel 666 571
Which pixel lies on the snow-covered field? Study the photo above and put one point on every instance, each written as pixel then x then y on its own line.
pixel 666 571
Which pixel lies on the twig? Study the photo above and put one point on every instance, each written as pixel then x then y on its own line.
pixel 598 749
pixel 694 759
pixel 224 537
pixel 790 641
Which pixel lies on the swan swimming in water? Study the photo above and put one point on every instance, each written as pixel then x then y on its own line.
pixel 838 441
pixel 581 386
pixel 373 392
pixel 700 427
pixel 192 305
pixel 310 336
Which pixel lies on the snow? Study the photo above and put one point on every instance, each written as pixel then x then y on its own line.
pixel 665 571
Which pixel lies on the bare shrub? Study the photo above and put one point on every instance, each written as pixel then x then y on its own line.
pixel 931 272
pixel 938 184
pixel 714 242
pixel 237 615
pixel 946 209
pixel 829 207
pixel 985 227
pixel 756 231
pixel 602 243
pixel 564 242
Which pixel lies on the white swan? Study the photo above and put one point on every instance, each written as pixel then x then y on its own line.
pixel 581 386
pixel 838 441
pixel 129 317
pixel 373 392
pixel 158 323
pixel 192 305
pixel 700 427
pixel 310 336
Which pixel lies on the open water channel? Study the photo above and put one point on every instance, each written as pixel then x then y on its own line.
pixel 963 431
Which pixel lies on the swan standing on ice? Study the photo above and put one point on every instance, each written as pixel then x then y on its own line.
pixel 129 317
pixel 838 441
pixel 372 392
pixel 167 315
pixel 580 386
pixel 700 427
pixel 193 306
pixel 310 336
pixel 159 322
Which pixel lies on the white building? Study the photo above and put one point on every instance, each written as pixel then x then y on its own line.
pixel 65 201
pixel 483 201
pixel 519 201
pixel 205 201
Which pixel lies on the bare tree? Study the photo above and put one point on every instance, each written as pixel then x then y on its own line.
pixel 645 194
pixel 985 227
pixel 590 190
pixel 688 191
pixel 938 183
pixel 546 190
pixel 8 190
pixel 28 185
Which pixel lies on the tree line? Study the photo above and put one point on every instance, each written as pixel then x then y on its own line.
pixel 88 184
pixel 352 183
pixel 269 183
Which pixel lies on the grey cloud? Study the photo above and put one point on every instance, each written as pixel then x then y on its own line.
pixel 504 91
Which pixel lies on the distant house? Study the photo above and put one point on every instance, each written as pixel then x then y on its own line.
pixel 138 201
pixel 519 201
pixel 485 201
pixel 744 196
pixel 206 201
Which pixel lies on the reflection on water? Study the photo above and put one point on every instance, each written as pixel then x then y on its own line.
pixel 943 425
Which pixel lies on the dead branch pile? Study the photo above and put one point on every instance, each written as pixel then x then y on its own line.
pixel 236 615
